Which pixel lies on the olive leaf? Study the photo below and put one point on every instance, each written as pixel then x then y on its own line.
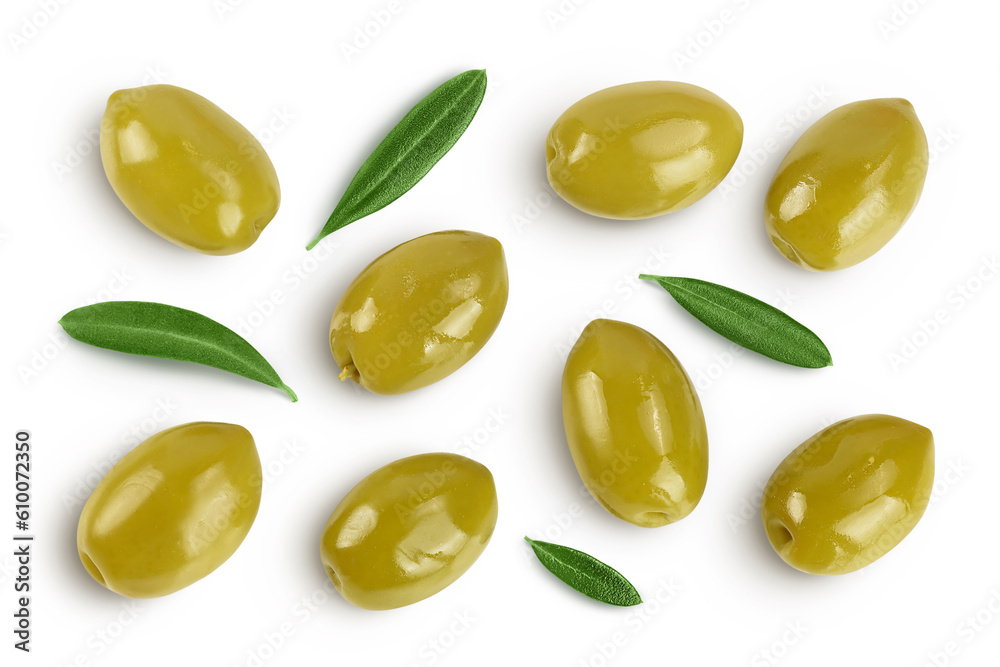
pixel 410 150
pixel 167 332
pixel 747 321
pixel 586 574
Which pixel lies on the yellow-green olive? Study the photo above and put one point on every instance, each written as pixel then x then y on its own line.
pixel 172 510
pixel 634 425
pixel 187 170
pixel 409 530
pixel 849 494
pixel 848 184
pixel 420 311
pixel 642 149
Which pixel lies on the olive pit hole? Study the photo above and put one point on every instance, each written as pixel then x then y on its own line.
pixel 92 569
pixel 654 519
pixel 333 576
pixel 550 151
pixel 780 535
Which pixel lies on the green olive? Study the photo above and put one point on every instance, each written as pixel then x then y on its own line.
pixel 409 530
pixel 420 311
pixel 172 510
pixel 849 494
pixel 642 149
pixel 634 425
pixel 187 170
pixel 848 184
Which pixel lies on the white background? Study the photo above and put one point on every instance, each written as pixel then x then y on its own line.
pixel 280 68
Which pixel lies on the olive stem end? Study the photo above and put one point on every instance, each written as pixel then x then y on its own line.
pixel 349 372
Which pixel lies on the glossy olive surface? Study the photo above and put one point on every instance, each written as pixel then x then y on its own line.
pixel 187 170
pixel 409 530
pixel 848 184
pixel 634 424
pixel 420 311
pixel 849 494
pixel 172 510
pixel 642 149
